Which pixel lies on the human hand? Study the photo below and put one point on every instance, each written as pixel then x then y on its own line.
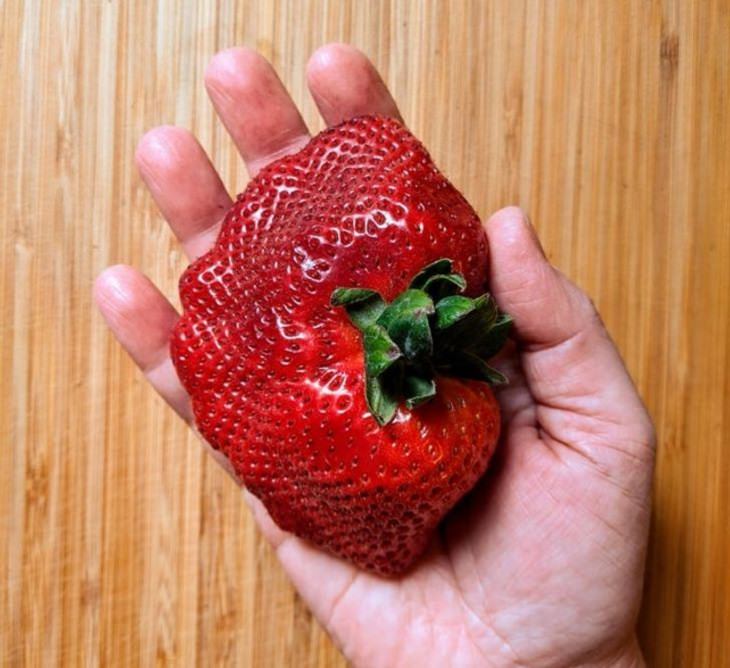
pixel 542 563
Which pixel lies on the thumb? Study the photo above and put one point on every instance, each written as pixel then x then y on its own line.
pixel 584 394
pixel 547 308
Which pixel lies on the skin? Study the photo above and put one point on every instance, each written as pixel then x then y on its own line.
pixel 542 565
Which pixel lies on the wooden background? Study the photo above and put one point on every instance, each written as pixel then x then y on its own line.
pixel 120 544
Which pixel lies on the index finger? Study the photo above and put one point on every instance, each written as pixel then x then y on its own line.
pixel 344 84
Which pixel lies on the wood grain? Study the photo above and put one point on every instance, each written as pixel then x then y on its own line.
pixel 120 544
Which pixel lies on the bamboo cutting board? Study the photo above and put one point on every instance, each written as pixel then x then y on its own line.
pixel 120 544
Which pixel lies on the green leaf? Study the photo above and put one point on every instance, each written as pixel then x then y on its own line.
pixel 343 296
pixel 380 350
pixel 467 365
pixel 429 329
pixel 418 390
pixel 452 309
pixel 495 338
pixel 406 320
pixel 438 280
pixel 443 285
pixel 382 400
pixel 471 334
pixel 466 328
pixel 363 306
pixel 470 328
pixel 442 266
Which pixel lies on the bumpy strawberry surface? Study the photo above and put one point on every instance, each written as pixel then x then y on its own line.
pixel 276 373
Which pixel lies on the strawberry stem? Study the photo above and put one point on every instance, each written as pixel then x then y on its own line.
pixel 428 330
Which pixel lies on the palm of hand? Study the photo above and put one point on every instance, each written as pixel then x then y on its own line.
pixel 542 563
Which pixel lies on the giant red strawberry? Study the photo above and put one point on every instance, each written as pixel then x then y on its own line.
pixel 334 341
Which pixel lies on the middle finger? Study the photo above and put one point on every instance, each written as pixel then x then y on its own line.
pixel 256 109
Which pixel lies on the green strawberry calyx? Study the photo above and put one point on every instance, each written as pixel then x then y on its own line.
pixel 429 329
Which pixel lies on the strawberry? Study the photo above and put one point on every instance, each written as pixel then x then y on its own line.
pixel 334 343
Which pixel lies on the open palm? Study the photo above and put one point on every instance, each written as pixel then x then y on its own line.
pixel 542 563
